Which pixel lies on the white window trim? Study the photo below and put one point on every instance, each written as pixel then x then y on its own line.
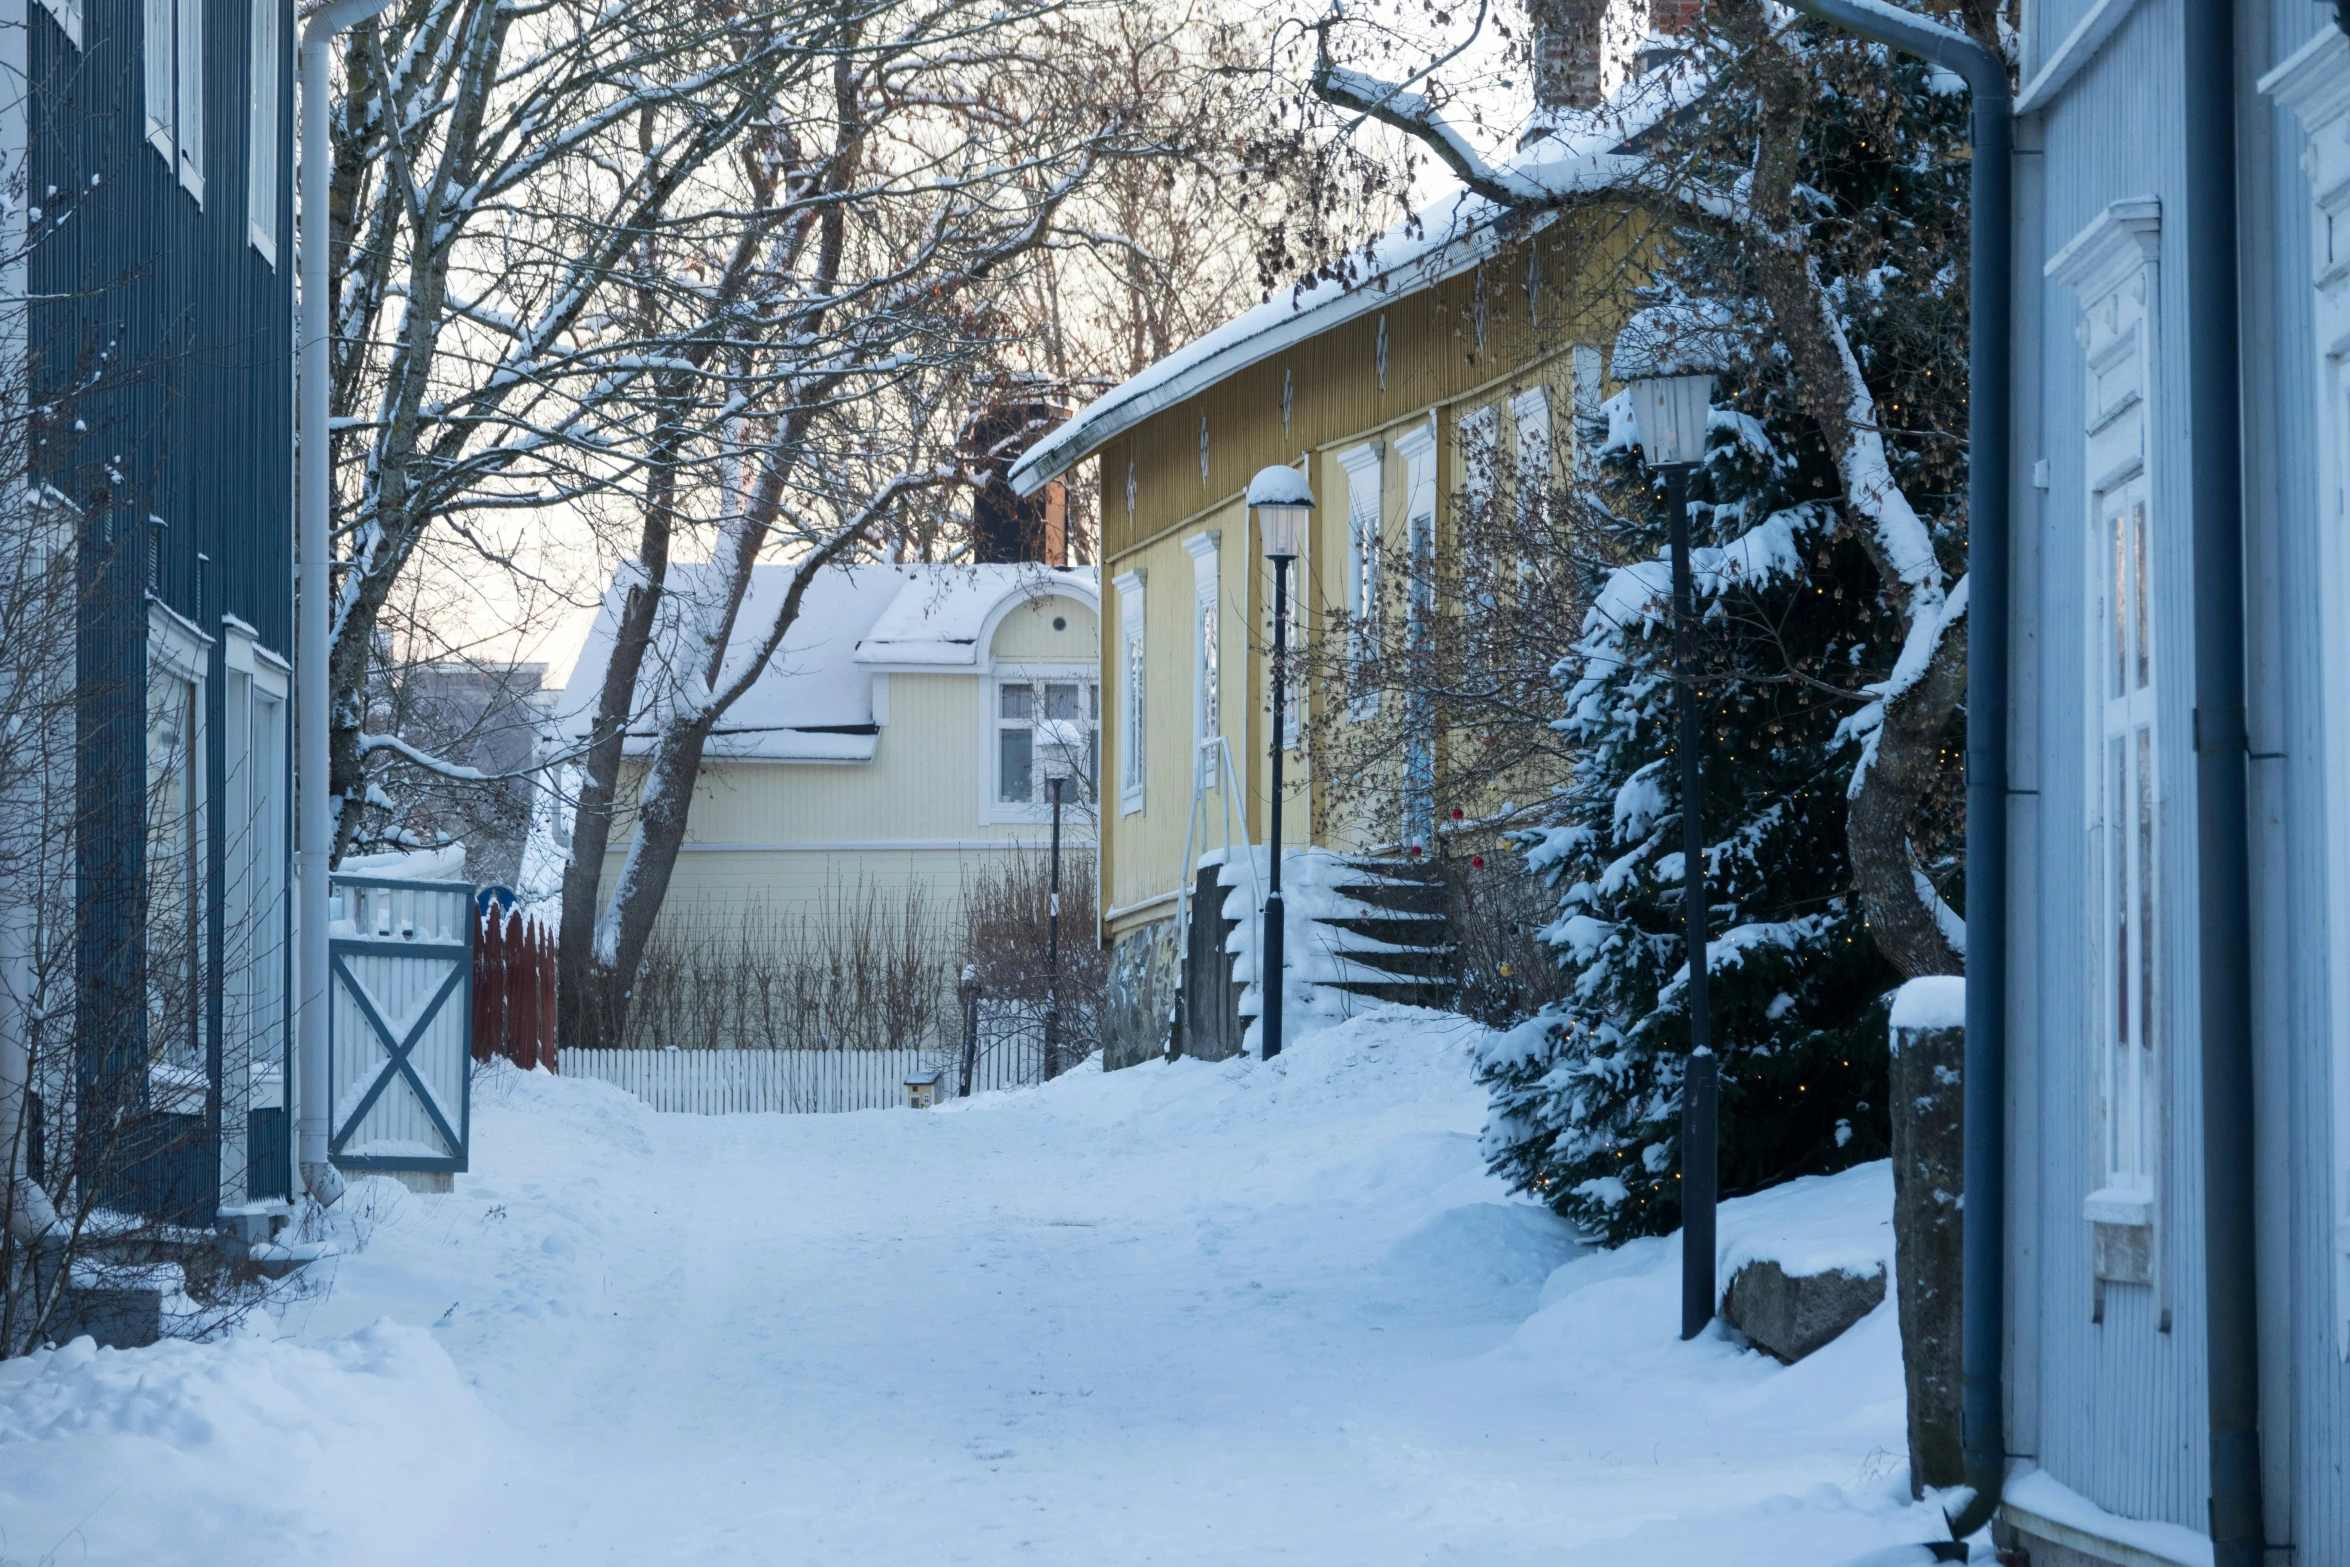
pixel 68 16
pixel 994 809
pixel 2315 84
pixel 1365 470
pixel 1133 680
pixel 178 650
pixel 174 118
pixel 2112 266
pixel 258 864
pixel 1207 621
pixel 265 50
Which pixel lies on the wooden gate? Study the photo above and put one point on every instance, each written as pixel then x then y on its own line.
pixel 400 967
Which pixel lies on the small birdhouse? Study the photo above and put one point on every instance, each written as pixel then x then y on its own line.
pixel 922 1090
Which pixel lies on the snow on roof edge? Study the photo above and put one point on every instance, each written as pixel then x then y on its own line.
pixel 1454 233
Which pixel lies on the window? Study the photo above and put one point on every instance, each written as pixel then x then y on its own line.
pixel 173 910
pixel 1417 446
pixel 1133 729
pixel 1362 467
pixel 1530 412
pixel 1589 395
pixel 1040 723
pixel 255 823
pixel 2111 269
pixel 1207 720
pixel 261 161
pixel 173 52
pixel 1480 437
pixel 2127 823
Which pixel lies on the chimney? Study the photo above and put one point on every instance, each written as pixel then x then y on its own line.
pixel 1011 415
pixel 1567 37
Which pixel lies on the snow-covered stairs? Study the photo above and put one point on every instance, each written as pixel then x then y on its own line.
pixel 1357 931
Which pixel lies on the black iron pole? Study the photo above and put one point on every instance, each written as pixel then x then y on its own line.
pixel 1699 1084
pixel 1052 951
pixel 1269 971
pixel 970 995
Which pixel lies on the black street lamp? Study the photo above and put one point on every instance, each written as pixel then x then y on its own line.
pixel 1283 503
pixel 1063 743
pixel 1671 413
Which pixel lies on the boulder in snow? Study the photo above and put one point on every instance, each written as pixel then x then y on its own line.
pixel 1791 1314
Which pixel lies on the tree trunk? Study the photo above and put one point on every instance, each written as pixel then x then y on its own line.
pixel 1906 915
pixel 1929 1048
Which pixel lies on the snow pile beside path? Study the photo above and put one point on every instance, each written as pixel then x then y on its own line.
pixel 248 1449
pixel 1815 1224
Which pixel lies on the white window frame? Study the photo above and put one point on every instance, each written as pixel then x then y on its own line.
pixel 257 874
pixel 1479 434
pixel 1076 802
pixel 2314 82
pixel 1417 447
pixel 1133 686
pixel 172 35
pixel 177 737
pixel 265 48
pixel 1365 470
pixel 2112 268
pixel 1207 652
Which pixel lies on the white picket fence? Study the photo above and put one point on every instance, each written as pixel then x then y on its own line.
pixel 726 1082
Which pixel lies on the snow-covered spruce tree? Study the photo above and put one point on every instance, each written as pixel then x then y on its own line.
pixel 1811 203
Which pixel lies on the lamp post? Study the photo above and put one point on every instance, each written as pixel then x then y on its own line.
pixel 1282 502
pixel 1062 743
pixel 1671 414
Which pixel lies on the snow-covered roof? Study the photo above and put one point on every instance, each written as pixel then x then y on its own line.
pixel 1445 239
pixel 814 701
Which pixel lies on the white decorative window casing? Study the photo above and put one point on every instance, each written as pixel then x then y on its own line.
pixel 2112 268
pixel 1590 395
pixel 1046 722
pixel 1207 654
pixel 1133 683
pixel 172 65
pixel 172 899
pixel 255 862
pixel 1417 447
pixel 265 47
pixel 1363 467
pixel 2314 83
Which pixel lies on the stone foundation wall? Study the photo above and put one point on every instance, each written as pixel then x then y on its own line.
pixel 1141 995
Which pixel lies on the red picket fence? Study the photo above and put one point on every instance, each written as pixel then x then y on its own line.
pixel 514 991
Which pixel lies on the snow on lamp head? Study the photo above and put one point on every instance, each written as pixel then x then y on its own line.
pixel 1670 354
pixel 1283 502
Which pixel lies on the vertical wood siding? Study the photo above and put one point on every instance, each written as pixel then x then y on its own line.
pixel 2117 1409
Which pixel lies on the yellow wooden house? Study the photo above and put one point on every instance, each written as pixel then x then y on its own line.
pixel 1468 349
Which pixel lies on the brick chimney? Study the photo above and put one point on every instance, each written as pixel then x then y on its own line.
pixel 1567 37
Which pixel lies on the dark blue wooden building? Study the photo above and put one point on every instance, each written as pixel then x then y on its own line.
pixel 156 243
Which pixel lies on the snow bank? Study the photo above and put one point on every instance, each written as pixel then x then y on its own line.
pixel 249 1449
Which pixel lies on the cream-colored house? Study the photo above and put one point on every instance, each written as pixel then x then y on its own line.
pixel 898 737
pixel 1458 363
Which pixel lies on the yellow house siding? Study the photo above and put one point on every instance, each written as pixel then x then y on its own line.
pixel 1026 634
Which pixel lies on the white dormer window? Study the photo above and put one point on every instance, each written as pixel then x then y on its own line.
pixel 173 62
pixel 1040 723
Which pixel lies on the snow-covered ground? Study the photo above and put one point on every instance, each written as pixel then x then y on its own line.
pixel 1230 1313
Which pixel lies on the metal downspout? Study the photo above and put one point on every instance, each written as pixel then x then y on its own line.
pixel 313 815
pixel 2222 836
pixel 1990 264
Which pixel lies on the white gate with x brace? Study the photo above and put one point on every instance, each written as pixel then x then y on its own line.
pixel 400 972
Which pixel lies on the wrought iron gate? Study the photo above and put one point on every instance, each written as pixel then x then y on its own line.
pixel 400 976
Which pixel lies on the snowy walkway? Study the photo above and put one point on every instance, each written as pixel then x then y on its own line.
pixel 1207 1314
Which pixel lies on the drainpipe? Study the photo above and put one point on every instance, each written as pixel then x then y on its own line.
pixel 1990 263
pixel 2222 817
pixel 314 819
